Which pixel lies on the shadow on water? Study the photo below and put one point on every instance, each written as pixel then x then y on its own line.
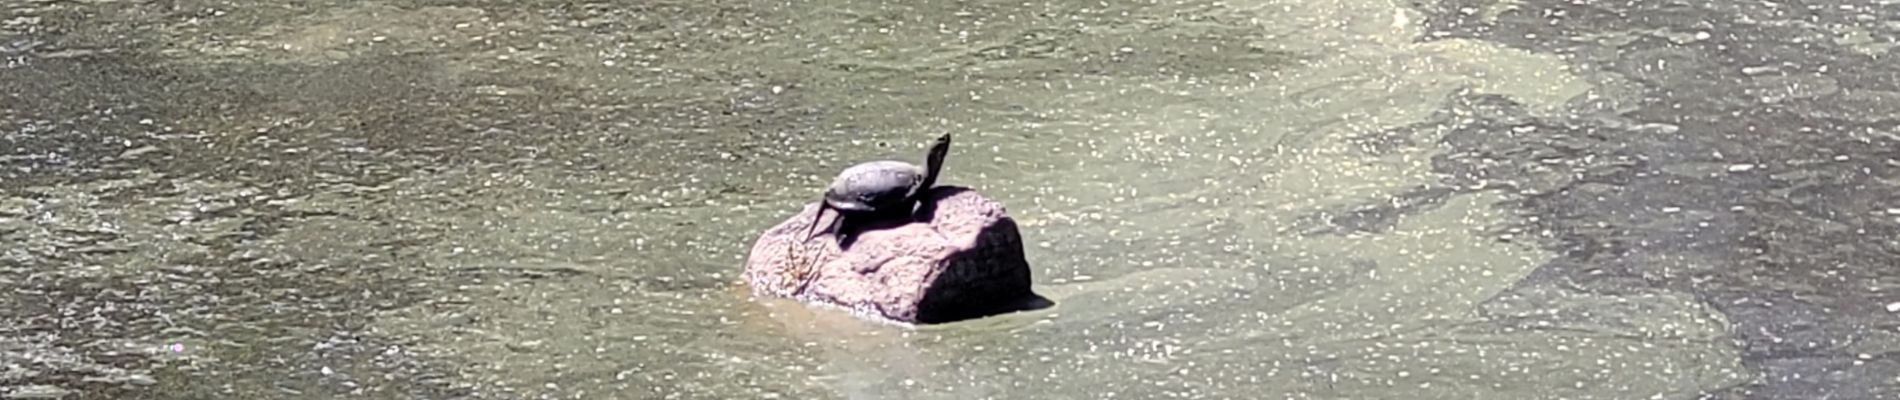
pixel 1274 198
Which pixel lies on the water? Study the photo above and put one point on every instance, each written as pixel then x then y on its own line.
pixel 1227 199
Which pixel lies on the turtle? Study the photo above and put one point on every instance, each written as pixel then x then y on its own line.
pixel 879 189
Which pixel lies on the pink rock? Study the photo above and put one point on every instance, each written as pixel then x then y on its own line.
pixel 962 259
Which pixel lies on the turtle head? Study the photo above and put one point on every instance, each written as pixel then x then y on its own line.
pixel 933 164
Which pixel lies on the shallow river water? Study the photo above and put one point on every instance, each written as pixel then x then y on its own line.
pixel 1300 199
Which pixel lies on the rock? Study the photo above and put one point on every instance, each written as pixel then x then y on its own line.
pixel 962 259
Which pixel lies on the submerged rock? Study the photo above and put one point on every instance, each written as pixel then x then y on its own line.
pixel 960 257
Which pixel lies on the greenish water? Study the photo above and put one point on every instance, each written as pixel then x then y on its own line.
pixel 552 199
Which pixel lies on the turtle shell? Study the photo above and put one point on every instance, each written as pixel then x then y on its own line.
pixel 874 186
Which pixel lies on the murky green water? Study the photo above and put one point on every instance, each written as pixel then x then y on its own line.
pixel 551 199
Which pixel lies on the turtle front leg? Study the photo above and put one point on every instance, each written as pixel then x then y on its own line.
pixel 845 229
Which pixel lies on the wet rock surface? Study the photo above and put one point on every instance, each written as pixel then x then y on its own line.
pixel 962 259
